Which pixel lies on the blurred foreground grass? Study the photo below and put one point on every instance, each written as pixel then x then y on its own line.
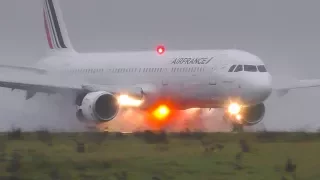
pixel 159 156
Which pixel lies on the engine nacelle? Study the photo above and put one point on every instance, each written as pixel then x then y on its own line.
pixel 251 115
pixel 98 106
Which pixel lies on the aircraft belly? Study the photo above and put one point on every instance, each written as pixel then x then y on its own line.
pixel 194 90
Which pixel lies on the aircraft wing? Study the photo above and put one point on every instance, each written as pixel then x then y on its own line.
pixel 55 84
pixel 24 68
pixel 37 85
pixel 307 83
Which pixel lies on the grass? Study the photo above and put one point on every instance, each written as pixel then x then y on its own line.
pixel 159 156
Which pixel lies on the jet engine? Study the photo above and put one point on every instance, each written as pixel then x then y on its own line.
pixel 250 115
pixel 98 106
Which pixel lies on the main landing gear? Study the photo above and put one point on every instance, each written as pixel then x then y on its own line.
pixel 237 127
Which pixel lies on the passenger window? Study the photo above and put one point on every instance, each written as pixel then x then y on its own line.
pixel 262 68
pixel 239 68
pixel 250 68
pixel 232 68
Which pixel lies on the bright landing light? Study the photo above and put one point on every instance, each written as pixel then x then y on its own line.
pixel 161 112
pixel 125 100
pixel 234 108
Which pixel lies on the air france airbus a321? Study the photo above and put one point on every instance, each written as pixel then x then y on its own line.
pixel 158 82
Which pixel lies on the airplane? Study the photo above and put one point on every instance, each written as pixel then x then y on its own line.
pixel 160 81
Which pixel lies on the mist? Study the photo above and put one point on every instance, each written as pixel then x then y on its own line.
pixel 284 34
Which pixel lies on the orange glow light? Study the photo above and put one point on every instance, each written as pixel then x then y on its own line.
pixel 125 100
pixel 161 112
pixel 234 108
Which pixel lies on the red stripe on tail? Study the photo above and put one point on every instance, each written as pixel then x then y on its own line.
pixel 47 30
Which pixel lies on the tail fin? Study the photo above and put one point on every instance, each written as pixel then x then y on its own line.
pixel 56 31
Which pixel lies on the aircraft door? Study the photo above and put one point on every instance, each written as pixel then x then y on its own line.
pixel 213 84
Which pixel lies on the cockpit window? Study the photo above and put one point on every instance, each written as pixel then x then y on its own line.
pixel 232 68
pixel 250 68
pixel 262 68
pixel 239 68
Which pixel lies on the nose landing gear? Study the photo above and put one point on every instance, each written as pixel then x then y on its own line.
pixel 235 123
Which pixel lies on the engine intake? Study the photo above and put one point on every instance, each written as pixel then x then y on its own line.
pixel 250 115
pixel 98 106
pixel 253 114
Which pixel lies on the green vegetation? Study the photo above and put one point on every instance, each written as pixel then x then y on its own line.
pixel 159 156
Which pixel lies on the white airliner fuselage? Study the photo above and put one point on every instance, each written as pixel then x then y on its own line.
pixel 198 78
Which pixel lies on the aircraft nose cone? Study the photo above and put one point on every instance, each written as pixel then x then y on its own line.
pixel 264 88
pixel 259 88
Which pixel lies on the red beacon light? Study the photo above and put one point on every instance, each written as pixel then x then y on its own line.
pixel 160 49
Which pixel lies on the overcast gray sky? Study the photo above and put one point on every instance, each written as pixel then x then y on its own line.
pixel 285 34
